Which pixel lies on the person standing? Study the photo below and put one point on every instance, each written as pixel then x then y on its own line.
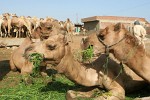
pixel 139 32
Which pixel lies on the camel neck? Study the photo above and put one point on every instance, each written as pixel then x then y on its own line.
pixel 76 71
pixel 128 53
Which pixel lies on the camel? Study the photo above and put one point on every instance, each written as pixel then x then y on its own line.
pixel 57 51
pixel 49 28
pixel 91 40
pixel 4 25
pixel 39 34
pixel 18 24
pixel 1 21
pixel 69 27
pixel 7 16
pixel 17 60
pixel 124 46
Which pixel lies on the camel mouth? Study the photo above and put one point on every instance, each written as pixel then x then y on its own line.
pixel 45 37
pixel 51 61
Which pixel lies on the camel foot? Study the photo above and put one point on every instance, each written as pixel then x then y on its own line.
pixel 84 93
pixel 72 95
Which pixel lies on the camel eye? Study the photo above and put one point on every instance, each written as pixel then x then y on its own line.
pixel 29 48
pixel 49 28
pixel 101 37
pixel 51 47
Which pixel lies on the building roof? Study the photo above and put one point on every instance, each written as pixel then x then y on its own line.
pixel 96 18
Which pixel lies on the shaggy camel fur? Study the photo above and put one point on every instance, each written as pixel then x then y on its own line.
pixel 56 51
pixel 126 49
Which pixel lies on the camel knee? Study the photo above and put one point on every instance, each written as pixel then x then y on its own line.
pixel 12 66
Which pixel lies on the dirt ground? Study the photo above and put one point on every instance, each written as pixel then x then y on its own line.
pixel 5 56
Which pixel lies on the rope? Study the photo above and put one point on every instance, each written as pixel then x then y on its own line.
pixel 107 49
pixel 121 70
pixel 105 66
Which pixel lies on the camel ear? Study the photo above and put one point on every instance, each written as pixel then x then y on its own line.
pixel 83 40
pixel 41 24
pixel 118 26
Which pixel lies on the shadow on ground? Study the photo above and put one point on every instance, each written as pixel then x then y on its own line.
pixel 4 68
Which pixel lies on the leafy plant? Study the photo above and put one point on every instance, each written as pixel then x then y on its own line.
pixel 36 59
pixel 87 54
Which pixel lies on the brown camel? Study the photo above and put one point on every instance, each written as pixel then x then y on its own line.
pixel 18 24
pixel 5 25
pixel 58 52
pixel 17 60
pixel 69 27
pixel 126 49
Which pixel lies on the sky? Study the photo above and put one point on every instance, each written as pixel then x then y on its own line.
pixel 77 9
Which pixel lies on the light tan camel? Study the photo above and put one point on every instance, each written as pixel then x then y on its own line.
pixel 18 24
pixel 17 60
pixel 92 40
pixel 58 52
pixel 126 49
pixel 69 27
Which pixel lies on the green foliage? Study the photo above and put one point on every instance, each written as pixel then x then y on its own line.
pixel 40 90
pixel 36 59
pixel 12 90
pixel 87 54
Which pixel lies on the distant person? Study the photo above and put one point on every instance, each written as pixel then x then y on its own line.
pixel 139 32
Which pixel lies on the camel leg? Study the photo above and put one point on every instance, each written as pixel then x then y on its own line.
pixel 9 27
pixel 26 70
pixel 17 34
pixel 96 94
pixel 144 98
pixel 5 32
pixel 0 30
pixel 81 93
pixel 12 65
pixel 114 94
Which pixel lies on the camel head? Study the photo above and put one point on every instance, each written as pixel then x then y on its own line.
pixel 13 15
pixel 49 28
pixel 53 48
pixel 112 34
pixel 92 40
pixel 6 14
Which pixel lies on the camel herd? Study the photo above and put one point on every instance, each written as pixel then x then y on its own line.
pixel 12 25
pixel 50 39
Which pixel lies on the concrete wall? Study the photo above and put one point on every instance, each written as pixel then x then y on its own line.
pixel 101 24
pixel 92 25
